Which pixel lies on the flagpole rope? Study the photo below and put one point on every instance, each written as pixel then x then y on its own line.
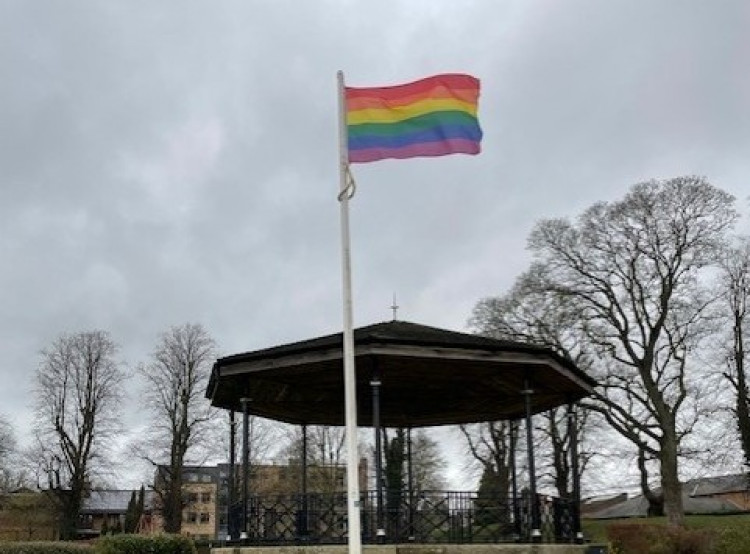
pixel 351 185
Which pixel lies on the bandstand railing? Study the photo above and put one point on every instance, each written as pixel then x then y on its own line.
pixel 426 517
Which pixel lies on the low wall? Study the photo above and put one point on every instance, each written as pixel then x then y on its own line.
pixel 416 549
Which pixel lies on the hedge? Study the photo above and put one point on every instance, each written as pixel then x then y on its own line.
pixel 44 547
pixel 144 544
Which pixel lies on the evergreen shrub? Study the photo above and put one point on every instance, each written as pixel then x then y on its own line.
pixel 145 544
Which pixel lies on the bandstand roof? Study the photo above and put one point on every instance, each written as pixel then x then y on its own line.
pixel 429 376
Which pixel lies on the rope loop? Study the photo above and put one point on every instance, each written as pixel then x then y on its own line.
pixel 351 186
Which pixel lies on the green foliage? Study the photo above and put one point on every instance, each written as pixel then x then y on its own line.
pixel 141 504
pixel 145 544
pixel 733 539
pixel 44 547
pixel 130 514
pixel 134 511
pixel 491 505
pixel 117 528
pixel 395 457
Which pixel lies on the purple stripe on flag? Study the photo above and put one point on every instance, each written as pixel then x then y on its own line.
pixel 429 149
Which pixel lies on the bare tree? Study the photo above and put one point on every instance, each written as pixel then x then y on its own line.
pixel 7 440
pixel 634 267
pixel 263 438
pixel 530 314
pixel 325 444
pixel 181 417
pixel 8 451
pixel 325 457
pixel 428 464
pixel 492 445
pixel 328 446
pixel 736 279
pixel 77 395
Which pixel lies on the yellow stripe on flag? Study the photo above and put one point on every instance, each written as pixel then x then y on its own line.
pixel 400 113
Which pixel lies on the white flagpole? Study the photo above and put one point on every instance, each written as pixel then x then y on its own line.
pixel 350 379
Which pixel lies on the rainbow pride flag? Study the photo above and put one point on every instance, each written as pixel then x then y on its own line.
pixel 435 116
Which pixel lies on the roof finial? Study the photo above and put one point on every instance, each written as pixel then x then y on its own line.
pixel 395 307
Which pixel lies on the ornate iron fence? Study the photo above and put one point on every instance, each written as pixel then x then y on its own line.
pixel 426 517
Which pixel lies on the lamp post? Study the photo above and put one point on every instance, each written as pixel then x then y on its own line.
pixel 536 532
pixel 231 481
pixel 574 467
pixel 375 384
pixel 245 464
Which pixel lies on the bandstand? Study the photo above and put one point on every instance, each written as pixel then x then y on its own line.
pixel 408 376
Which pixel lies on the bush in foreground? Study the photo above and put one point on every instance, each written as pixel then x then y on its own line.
pixel 44 547
pixel 144 544
pixel 733 540
pixel 635 538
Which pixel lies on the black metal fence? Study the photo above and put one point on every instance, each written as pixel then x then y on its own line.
pixel 427 517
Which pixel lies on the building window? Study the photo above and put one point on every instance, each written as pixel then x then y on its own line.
pixel 193 497
pixel 206 478
pixel 206 497
pixel 205 517
pixel 191 517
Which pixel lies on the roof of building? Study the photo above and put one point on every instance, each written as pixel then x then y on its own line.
pixel 428 376
pixel 190 473
pixel 638 507
pixel 698 497
pixel 593 505
pixel 210 470
pixel 405 332
pixel 709 486
pixel 112 501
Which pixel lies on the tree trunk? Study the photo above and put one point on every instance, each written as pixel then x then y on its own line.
pixel 69 502
pixel 560 454
pixel 655 501
pixel 68 519
pixel 742 409
pixel 173 509
pixel 670 481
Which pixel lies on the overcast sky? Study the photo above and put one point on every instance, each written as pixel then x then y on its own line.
pixel 169 162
